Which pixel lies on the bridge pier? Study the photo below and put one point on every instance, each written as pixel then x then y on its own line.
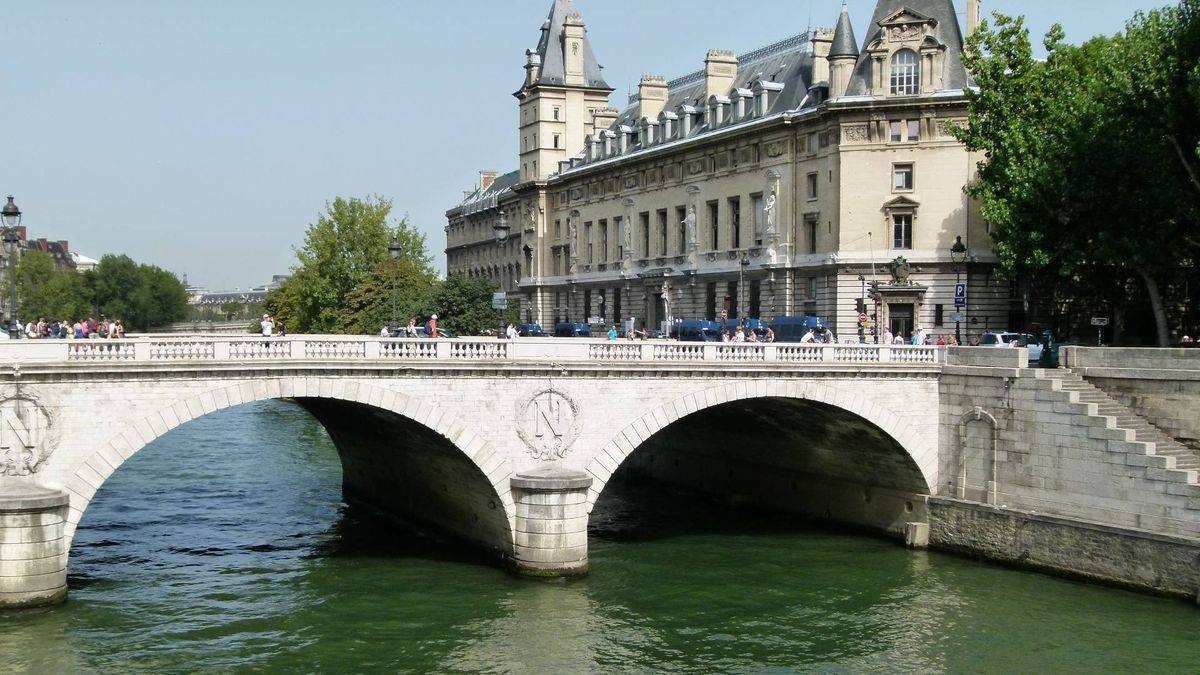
pixel 551 527
pixel 33 550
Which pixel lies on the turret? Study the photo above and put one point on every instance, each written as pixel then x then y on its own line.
pixel 843 54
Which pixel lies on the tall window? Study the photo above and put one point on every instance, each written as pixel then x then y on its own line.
pixel 902 230
pixel 760 218
pixel 616 305
pixel 906 76
pixel 556 112
pixel 604 239
pixel 680 217
pixel 558 229
pixel 902 177
pixel 810 224
pixel 710 300
pixel 714 225
pixel 810 183
pixel 735 220
pixel 557 141
pixel 755 299
pixel 587 233
pixel 645 218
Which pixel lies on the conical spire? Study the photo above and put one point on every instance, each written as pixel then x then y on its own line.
pixel 552 48
pixel 844 43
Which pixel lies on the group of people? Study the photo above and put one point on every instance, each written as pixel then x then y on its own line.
pixel 84 329
pixel 919 336
pixel 271 327
pixel 740 334
pixel 412 330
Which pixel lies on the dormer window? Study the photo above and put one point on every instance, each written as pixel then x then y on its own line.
pixel 906 76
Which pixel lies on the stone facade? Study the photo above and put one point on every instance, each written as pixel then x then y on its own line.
pixel 783 181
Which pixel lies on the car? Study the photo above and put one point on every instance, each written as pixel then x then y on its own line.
pixel 694 330
pixel 570 329
pixel 1010 339
pixel 531 330
pixel 423 332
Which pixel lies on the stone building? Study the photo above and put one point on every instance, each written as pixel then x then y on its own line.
pixel 812 176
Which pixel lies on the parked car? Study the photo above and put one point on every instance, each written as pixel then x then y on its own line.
pixel 423 332
pixel 694 330
pixel 531 330
pixel 1007 339
pixel 793 328
pixel 572 330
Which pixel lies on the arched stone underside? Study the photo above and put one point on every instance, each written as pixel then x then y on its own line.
pixel 390 426
pixel 802 447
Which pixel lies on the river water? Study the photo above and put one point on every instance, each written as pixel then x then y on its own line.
pixel 225 546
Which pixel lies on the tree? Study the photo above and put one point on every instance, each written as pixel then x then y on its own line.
pixel 141 296
pixel 47 291
pixel 463 305
pixel 369 305
pixel 341 251
pixel 231 309
pixel 1080 167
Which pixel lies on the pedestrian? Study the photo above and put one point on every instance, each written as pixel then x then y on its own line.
pixel 268 326
pixel 739 335
pixel 281 329
pixel 120 330
pixel 809 336
pixel 941 341
pixel 411 329
pixel 384 332
pixel 770 335
pixel 511 332
pixel 432 326
pixel 888 338
pixel 612 333
pixel 752 337
pixel 899 339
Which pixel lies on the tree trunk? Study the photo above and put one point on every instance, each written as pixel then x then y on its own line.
pixel 1156 304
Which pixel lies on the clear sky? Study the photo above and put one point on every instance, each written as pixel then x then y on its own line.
pixel 205 136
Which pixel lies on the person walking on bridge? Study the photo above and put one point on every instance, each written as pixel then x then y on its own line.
pixel 268 326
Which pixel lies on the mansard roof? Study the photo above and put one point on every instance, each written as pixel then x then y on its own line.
pixel 482 200
pixel 550 50
pixel 844 43
pixel 788 62
pixel 946 30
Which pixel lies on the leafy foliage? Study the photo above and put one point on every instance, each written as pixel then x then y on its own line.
pixel 141 296
pixel 45 291
pixel 464 305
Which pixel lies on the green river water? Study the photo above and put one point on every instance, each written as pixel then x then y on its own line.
pixel 224 546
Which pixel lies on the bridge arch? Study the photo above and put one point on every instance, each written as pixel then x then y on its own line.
pixel 919 446
pixel 492 467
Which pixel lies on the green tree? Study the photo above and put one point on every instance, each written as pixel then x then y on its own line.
pixel 341 251
pixel 369 306
pixel 463 305
pixel 141 296
pixel 1081 169
pixel 231 309
pixel 47 291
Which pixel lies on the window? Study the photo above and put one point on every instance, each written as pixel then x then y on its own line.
pixel 939 315
pixel 557 141
pixel 902 177
pixel 714 223
pixel 604 239
pixel 558 229
pixel 814 142
pixel 680 219
pixel 556 112
pixel 645 223
pixel 662 231
pixel 731 299
pixel 616 305
pixel 755 299
pixel 587 305
pixel 811 185
pixel 710 300
pixel 735 220
pixel 587 233
pixel 812 288
pixel 896 135
pixel 902 230
pixel 905 131
pixel 760 218
pixel 906 79
pixel 914 131
pixel 810 224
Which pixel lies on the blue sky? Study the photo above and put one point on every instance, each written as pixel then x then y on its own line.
pixel 205 136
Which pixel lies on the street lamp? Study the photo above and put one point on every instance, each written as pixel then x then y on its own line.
pixel 501 230
pixel 12 239
pixel 958 254
pixel 741 287
pixel 394 250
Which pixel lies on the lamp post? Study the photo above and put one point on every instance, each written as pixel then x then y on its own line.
pixel 501 230
pixel 958 254
pixel 394 251
pixel 12 239
pixel 741 287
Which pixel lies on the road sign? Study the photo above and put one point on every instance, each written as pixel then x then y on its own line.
pixel 499 301
pixel 958 317
pixel 960 291
pixel 862 318
pixel 1099 320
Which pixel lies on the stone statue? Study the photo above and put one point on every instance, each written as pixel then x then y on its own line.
pixel 769 212
pixel 689 224
pixel 627 237
pixel 666 299
pixel 532 217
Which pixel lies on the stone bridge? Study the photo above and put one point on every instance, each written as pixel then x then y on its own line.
pixel 509 445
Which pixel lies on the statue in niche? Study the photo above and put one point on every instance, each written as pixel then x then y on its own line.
pixel 689 226
pixel 769 213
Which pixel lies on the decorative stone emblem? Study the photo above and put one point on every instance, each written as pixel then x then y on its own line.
pixel 901 271
pixel 25 436
pixel 548 423
pixel 855 133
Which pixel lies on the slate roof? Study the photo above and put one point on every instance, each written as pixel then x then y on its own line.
pixel 844 43
pixel 947 32
pixel 550 49
pixel 788 62
pixel 481 200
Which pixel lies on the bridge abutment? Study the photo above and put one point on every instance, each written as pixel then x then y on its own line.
pixel 551 528
pixel 33 546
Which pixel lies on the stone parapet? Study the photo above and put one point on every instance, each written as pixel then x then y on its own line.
pixel 33 549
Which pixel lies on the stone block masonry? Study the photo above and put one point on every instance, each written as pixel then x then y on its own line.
pixel 33 548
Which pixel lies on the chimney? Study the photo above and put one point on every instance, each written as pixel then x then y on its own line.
pixel 972 16
pixel 486 178
pixel 652 92
pixel 604 118
pixel 573 34
pixel 720 70
pixel 822 40
pixel 533 67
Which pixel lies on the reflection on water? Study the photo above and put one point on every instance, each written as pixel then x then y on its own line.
pixel 225 546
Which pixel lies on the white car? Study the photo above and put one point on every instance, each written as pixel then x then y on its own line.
pixel 1002 339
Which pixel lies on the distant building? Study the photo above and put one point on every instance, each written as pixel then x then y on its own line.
pixel 201 297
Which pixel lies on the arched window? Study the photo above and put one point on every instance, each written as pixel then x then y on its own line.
pixel 906 74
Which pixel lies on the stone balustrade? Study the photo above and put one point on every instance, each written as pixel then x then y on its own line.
pixel 360 348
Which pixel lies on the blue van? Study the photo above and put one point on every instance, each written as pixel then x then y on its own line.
pixel 572 330
pixel 530 330
pixel 695 330
pixel 793 328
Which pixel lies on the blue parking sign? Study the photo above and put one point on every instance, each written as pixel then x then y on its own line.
pixel 960 295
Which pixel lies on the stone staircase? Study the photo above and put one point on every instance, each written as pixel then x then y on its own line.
pixel 1144 431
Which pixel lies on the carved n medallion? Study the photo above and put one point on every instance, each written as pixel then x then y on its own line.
pixel 548 423
pixel 26 435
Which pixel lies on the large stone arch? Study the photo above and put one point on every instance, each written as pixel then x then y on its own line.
pixel 137 433
pixel 922 447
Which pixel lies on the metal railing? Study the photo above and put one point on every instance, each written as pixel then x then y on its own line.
pixel 361 348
